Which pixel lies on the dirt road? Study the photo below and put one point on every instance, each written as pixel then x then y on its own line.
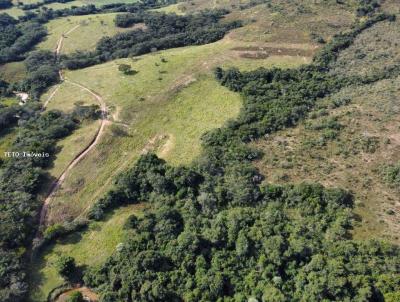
pixel 56 185
pixel 61 40
pixel 58 182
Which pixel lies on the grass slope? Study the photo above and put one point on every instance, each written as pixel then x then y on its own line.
pixel 171 104
pixel 351 158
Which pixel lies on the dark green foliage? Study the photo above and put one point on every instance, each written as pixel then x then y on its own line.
pixel 127 20
pixel 17 38
pixel 391 174
pixel 163 31
pixel 82 112
pixel 290 241
pixel 367 7
pixel 66 267
pixel 126 69
pixel 36 5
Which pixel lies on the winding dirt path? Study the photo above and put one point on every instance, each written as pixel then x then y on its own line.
pixel 56 184
pixel 104 113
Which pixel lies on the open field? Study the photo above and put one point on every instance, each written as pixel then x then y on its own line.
pixel 90 247
pixel 80 32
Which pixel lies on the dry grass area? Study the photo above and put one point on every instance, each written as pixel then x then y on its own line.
pixel 352 136
pixel 346 143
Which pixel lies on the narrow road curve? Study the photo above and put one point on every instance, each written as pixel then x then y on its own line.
pixel 58 182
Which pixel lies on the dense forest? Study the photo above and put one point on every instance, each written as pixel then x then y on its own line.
pixel 163 31
pixel 215 233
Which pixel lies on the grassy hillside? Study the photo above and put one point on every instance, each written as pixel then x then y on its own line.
pixel 164 104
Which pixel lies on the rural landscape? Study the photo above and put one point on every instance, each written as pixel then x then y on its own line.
pixel 199 150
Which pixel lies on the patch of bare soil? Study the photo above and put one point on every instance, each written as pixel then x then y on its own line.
pixel 260 52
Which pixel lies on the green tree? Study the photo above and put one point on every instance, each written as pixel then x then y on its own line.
pixel 126 69
pixel 66 266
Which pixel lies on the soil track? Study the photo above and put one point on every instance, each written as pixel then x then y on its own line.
pixel 61 40
pixel 58 182
pixel 56 185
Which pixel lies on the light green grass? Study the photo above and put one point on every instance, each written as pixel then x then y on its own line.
pixel 91 29
pixel 90 247
pixel 66 96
